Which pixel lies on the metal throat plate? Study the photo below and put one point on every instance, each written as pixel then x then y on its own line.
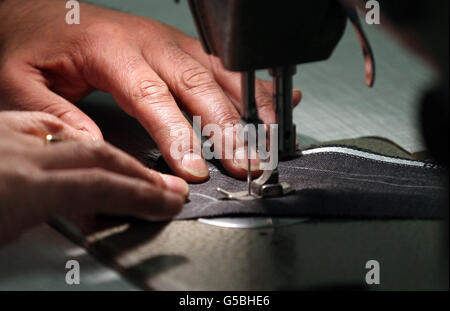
pixel 270 190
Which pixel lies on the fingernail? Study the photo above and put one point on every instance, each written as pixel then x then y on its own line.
pixel 194 165
pixel 176 184
pixel 241 159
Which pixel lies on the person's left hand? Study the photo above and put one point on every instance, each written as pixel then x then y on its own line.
pixel 76 176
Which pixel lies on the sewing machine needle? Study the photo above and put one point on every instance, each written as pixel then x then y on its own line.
pixel 249 171
pixel 251 115
pixel 249 179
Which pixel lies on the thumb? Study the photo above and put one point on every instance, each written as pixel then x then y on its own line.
pixel 34 95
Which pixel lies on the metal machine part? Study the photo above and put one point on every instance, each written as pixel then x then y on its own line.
pixel 268 184
pixel 251 222
pixel 283 87
pixel 276 36
pixel 265 190
pixel 261 34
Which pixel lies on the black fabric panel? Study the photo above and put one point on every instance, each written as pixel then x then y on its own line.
pixel 331 185
pixel 327 185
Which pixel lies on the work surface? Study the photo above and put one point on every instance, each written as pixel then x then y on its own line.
pixel 336 105
pixel 191 255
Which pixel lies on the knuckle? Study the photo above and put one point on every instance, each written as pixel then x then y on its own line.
pixel 56 109
pixel 102 152
pixel 175 54
pixel 156 179
pixel 197 80
pixel 133 63
pixel 92 44
pixel 49 122
pixel 151 92
pixel 101 31
pixel 191 77
pixel 226 118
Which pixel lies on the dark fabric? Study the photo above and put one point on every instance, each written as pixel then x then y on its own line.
pixel 327 184
pixel 330 185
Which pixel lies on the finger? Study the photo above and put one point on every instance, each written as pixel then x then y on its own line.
pixel 142 94
pixel 263 96
pixel 176 184
pixel 264 102
pixel 200 94
pixel 39 124
pixel 11 139
pixel 99 191
pixel 296 95
pixel 231 82
pixel 28 92
pixel 79 155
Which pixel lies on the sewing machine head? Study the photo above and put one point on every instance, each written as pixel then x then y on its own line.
pixel 275 35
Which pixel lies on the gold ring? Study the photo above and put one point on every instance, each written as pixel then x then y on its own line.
pixel 52 139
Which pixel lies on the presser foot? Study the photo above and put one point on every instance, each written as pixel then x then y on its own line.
pixel 266 185
pixel 270 190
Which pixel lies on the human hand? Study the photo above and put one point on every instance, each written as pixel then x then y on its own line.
pixel 78 176
pixel 152 70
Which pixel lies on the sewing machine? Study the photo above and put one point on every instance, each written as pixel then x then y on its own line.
pixel 319 254
pixel 275 36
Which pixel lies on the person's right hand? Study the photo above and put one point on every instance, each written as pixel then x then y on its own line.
pixel 154 72
pixel 76 176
